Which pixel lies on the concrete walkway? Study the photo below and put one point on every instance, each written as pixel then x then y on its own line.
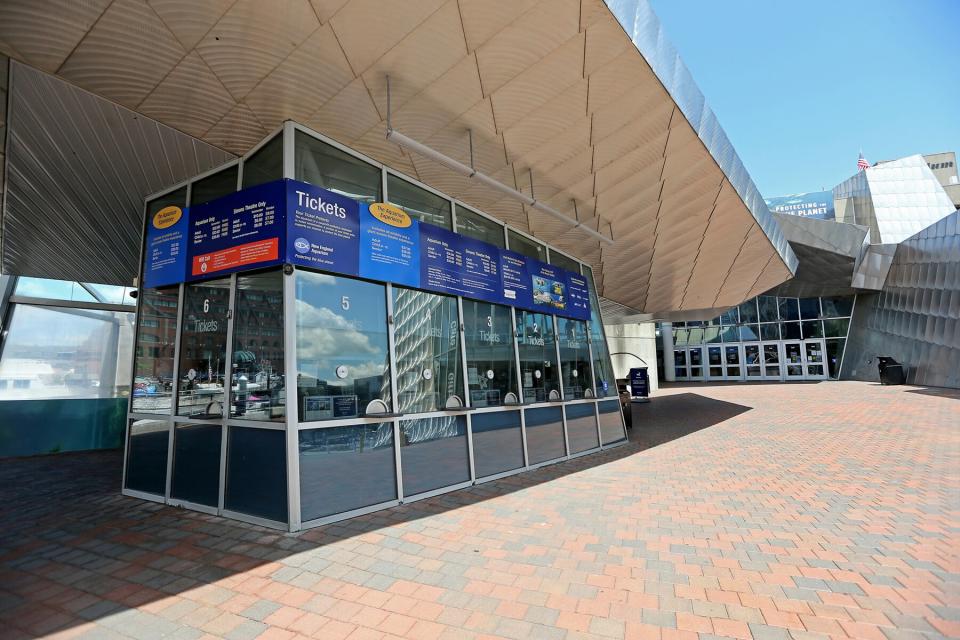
pixel 759 511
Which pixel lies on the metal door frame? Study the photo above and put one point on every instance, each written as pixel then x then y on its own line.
pixel 784 364
pixel 741 363
pixel 743 354
pixel 823 360
pixel 780 361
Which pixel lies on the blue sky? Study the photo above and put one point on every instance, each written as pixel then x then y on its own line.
pixel 801 85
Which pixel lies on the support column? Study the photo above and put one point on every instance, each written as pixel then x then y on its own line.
pixel 666 335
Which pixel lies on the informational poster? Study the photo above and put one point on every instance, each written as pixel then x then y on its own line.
pixel 165 254
pixel 241 231
pixel 389 245
pixel 455 264
pixel 816 204
pixel 297 223
pixel 322 229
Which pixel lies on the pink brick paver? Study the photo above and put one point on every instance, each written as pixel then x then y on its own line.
pixel 758 511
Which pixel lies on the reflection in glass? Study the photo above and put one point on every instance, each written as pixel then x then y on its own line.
pixel 266 165
pixel 770 331
pixel 258 378
pixel 147 456
pixel 714 356
pixel 813 352
pixel 526 246
pixel 730 334
pixel 256 478
pixel 497 442
pixel 768 308
pixel 837 307
pixel 789 309
pixel 581 427
pixel 771 359
pixel 346 468
pixel 834 355
pixel 711 335
pixel 218 185
pixel 695 336
pixel 342 352
pixel 323 165
pixel 564 262
pixel 836 328
pixel 751 356
pixel 611 422
pixel 473 225
pixel 539 373
pixel 196 463
pixel 812 329
pixel 203 350
pixel 792 353
pixel 748 311
pixel 491 367
pixel 429 368
pixel 680 336
pixel 809 308
pixel 574 358
pixel 433 453
pixel 153 371
pixel 696 363
pixel 749 332
pixel 544 434
pixel 790 330
pixel 421 204
pixel 680 363
pixel 730 317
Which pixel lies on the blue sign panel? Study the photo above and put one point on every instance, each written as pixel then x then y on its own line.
pixel 517 281
pixel 389 245
pixel 639 387
pixel 818 204
pixel 241 231
pixel 578 296
pixel 454 264
pixel 322 229
pixel 165 255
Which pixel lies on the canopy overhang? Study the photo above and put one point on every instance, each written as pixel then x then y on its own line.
pixel 589 99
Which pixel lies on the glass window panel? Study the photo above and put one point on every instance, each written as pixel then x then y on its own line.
pixel 343 361
pixel 768 308
pixel 695 336
pixel 539 373
pixel 809 308
pixel 812 329
pixel 421 204
pixel 732 316
pixel 497 442
pixel 834 356
pixel 695 323
pixel 52 289
pixel 258 382
pixel 749 332
pixel 751 354
pixel 153 371
pixel 837 307
pixel 611 422
pixel 581 427
pixel 433 453
pixel 473 225
pixel 771 354
pixel 748 311
pixel 266 165
pixel 714 356
pixel 792 353
pixel 790 330
pixel 574 358
pixel 326 166
pixel 680 336
pixel 346 468
pixel 491 366
pixel 215 186
pixel 526 246
pixel 108 293
pixel 836 328
pixel 711 335
pixel 427 333
pixel 256 480
pixel 770 331
pixel 730 334
pixel 602 366
pixel 680 357
pixel 147 456
pixel 196 463
pixel 59 352
pixel 564 262
pixel 544 434
pixel 789 308
pixel 731 355
pixel 203 349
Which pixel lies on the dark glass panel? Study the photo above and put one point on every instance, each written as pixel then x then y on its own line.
pixel 581 427
pixel 203 349
pixel 768 308
pixel 259 384
pixel 421 204
pixel 324 165
pixel 526 246
pixel 790 330
pixel 749 332
pixel 147 456
pixel 539 372
pixel 544 434
pixel 748 311
pixel 809 308
pixel 196 463
pixel 266 165
pixel 491 365
pixel 574 358
pixel 789 309
pixel 812 329
pixel 473 225
pixel 770 331
pixel 256 481
pixel 611 422
pixel 218 185
pixel 497 442
pixel 836 328
pixel 433 453
pixel 834 356
pixel 156 338
pixel 837 307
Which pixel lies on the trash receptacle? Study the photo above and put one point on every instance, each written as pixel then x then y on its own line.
pixel 891 371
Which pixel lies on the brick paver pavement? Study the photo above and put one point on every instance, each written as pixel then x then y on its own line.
pixel 787 511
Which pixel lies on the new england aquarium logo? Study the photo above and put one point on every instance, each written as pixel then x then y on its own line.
pixel 301 245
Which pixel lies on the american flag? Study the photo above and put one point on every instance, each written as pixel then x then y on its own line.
pixel 862 163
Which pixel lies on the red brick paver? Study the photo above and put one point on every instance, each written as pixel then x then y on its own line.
pixel 757 511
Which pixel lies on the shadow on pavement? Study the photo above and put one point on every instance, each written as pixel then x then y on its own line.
pixel 939 392
pixel 74 551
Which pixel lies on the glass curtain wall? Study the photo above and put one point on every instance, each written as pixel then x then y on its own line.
pixel 258 358
pixel 537 342
pixel 491 365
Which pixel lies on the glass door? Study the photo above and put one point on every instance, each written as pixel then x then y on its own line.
pixel 793 358
pixel 813 354
pixel 732 361
pixel 771 361
pixel 715 362
pixel 695 357
pixel 680 364
pixel 752 361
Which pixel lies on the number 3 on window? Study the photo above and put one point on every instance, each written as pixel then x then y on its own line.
pixel 345 303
